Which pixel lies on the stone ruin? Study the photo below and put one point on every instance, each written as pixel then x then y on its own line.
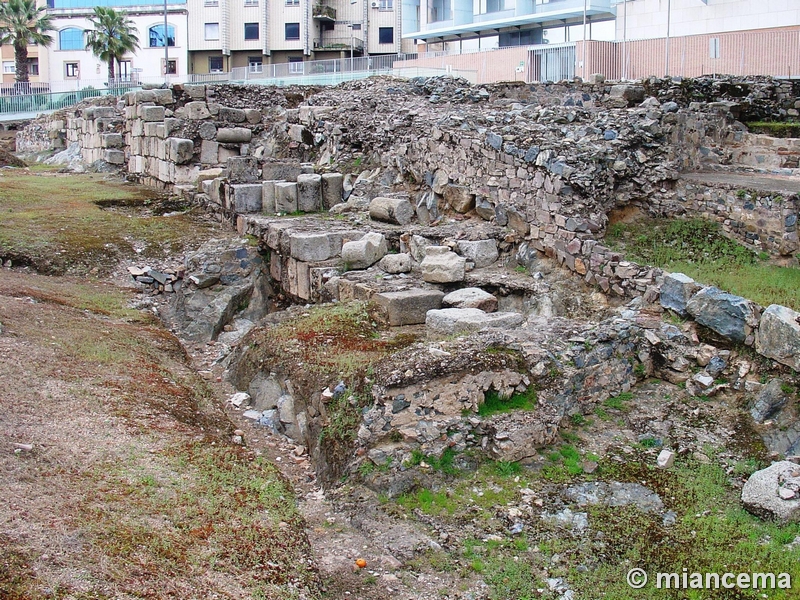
pixel 421 197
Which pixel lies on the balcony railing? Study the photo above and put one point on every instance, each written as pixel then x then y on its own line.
pixel 338 43
pixel 323 12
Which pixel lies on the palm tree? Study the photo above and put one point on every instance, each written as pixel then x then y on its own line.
pixel 112 37
pixel 23 23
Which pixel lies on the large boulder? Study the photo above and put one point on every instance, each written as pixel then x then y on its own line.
pixel 365 252
pixel 441 265
pixel 471 298
pixel 459 198
pixel 481 252
pixel 731 316
pixel 676 291
pixel 771 398
pixel 774 492
pixel 224 280
pixel 466 320
pixel 778 335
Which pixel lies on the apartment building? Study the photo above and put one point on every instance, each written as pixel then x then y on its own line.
pixel 227 34
pixel 8 64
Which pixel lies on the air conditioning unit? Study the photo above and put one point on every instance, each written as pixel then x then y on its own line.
pixel 375 4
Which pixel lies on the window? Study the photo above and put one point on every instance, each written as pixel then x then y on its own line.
pixel 33 66
pixel 72 70
pixel 386 5
pixel 255 64
pixel 172 67
pixel 251 31
pixel 386 35
pixel 212 31
pixel 327 26
pixel 440 10
pixel 295 64
pixel 9 66
pixel 156 35
pixel 71 38
pixel 215 64
pixel 125 70
pixel 292 2
pixel 356 26
pixel 292 32
pixel 251 2
pixel 211 3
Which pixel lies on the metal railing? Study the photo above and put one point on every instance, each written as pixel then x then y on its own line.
pixel 47 102
pixel 339 43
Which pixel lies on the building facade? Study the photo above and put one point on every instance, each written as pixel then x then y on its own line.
pixel 162 52
pixel 229 34
pixel 510 22
pixel 648 18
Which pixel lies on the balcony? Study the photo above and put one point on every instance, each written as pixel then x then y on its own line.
pixel 338 43
pixel 323 12
pixel 459 20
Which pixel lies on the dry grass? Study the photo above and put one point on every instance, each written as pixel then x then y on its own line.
pixel 131 489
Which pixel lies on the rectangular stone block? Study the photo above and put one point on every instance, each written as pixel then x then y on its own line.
pixel 186 174
pixel 180 150
pixel 242 169
pixel 151 129
pixel 281 171
pixel 225 153
pixel 268 197
pixel 245 197
pixel 209 152
pixel 286 197
pixel 163 96
pixel 309 192
pixel 152 113
pixel 114 157
pixel 332 189
pixel 111 140
pixel 311 247
pixel 408 307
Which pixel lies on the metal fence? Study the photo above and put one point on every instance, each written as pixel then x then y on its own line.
pixel 49 101
pixel 313 72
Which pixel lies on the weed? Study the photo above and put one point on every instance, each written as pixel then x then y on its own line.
pixel 522 269
pixel 507 469
pixel 493 403
pixel 640 370
pixel 649 443
pixel 602 414
pixel 577 419
pixel 787 388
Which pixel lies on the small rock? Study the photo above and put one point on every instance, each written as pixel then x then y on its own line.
pixel 666 459
pixel 239 398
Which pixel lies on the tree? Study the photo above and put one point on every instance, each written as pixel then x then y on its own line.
pixel 23 23
pixel 113 36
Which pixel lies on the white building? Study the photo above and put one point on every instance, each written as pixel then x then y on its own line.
pixel 648 18
pixel 71 66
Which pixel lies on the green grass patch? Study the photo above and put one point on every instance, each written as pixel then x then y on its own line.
pixel 57 223
pixel 699 249
pixel 493 403
pixel 779 129
pixel 428 501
